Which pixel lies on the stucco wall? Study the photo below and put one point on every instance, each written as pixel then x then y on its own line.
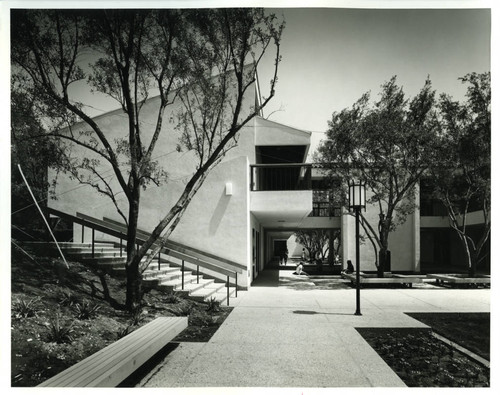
pixel 403 243
pixel 214 222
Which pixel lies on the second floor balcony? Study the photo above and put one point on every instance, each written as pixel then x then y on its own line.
pixel 280 177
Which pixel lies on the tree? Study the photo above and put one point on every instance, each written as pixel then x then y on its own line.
pixel 387 145
pixel 198 56
pixel 314 240
pixel 35 156
pixel 460 172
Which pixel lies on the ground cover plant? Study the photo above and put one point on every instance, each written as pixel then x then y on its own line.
pixel 60 316
pixel 421 360
pixel 470 330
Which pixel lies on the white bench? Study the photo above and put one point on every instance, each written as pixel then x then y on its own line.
pixel 114 363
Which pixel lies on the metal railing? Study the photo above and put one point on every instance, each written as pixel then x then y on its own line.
pixel 325 209
pixel 280 177
pixel 223 266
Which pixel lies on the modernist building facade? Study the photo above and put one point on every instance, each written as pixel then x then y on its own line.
pixel 250 204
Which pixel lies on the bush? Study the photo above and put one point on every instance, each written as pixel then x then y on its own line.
pixel 137 316
pixel 183 311
pixel 123 332
pixel 172 297
pixel 67 298
pixel 59 332
pixel 25 309
pixel 86 310
pixel 213 305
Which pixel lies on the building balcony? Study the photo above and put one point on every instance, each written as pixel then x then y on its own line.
pixel 281 194
pixel 280 177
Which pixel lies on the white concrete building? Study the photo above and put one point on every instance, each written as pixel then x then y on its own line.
pixel 250 204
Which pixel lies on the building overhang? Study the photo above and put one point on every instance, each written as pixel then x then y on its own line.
pixel 281 209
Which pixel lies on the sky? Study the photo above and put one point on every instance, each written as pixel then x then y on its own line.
pixel 332 56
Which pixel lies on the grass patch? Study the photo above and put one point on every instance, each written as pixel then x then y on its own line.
pixel 61 316
pixel 470 330
pixel 421 360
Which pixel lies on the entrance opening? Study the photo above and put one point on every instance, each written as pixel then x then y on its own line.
pixel 319 250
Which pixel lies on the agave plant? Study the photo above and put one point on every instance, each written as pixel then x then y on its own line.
pixel 59 331
pixel 25 309
pixel 86 310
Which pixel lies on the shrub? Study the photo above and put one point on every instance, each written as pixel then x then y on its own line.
pixel 172 297
pixel 86 310
pixel 67 298
pixel 123 332
pixel 137 316
pixel 60 332
pixel 183 311
pixel 202 319
pixel 25 309
pixel 213 305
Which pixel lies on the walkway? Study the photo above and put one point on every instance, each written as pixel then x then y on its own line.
pixel 294 332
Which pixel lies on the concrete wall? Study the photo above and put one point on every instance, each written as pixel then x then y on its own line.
pixel 404 243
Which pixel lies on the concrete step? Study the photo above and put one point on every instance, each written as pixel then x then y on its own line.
pixel 97 254
pixel 174 277
pixel 175 284
pixel 156 274
pixel 221 295
pixel 105 261
pixel 168 277
pixel 206 292
pixel 191 287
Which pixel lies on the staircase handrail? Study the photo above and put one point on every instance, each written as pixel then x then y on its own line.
pixel 175 245
pixel 85 222
pixel 168 249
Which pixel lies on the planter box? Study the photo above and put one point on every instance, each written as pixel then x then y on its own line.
pixel 455 279
pixel 388 278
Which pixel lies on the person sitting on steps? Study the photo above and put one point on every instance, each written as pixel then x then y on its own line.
pixel 299 270
pixel 349 269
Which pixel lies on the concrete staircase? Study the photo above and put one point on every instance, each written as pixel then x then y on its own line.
pixel 165 275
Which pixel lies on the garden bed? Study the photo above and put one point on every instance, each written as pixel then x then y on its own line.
pixel 59 316
pixel 470 330
pixel 421 360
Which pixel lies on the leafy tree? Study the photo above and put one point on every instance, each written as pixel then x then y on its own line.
pixel 314 240
pixel 131 54
pixel 461 168
pixel 387 145
pixel 35 155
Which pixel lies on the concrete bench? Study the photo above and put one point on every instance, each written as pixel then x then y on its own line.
pixel 390 279
pixel 454 279
pixel 114 363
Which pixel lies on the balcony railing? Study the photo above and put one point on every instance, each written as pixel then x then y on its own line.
pixel 280 177
pixel 325 209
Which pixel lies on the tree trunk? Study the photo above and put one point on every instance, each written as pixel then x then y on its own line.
pixel 383 255
pixel 134 281
pixel 382 261
pixel 473 259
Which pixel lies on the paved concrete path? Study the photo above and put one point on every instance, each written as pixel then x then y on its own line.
pixel 294 332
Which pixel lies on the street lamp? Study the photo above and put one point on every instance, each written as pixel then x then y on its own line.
pixel 357 201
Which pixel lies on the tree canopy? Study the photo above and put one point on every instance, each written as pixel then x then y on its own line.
pixel 387 144
pixel 460 170
pixel 205 58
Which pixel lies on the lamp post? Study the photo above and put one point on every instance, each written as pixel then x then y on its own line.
pixel 357 201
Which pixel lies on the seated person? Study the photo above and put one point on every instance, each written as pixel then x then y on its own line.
pixel 299 270
pixel 349 269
